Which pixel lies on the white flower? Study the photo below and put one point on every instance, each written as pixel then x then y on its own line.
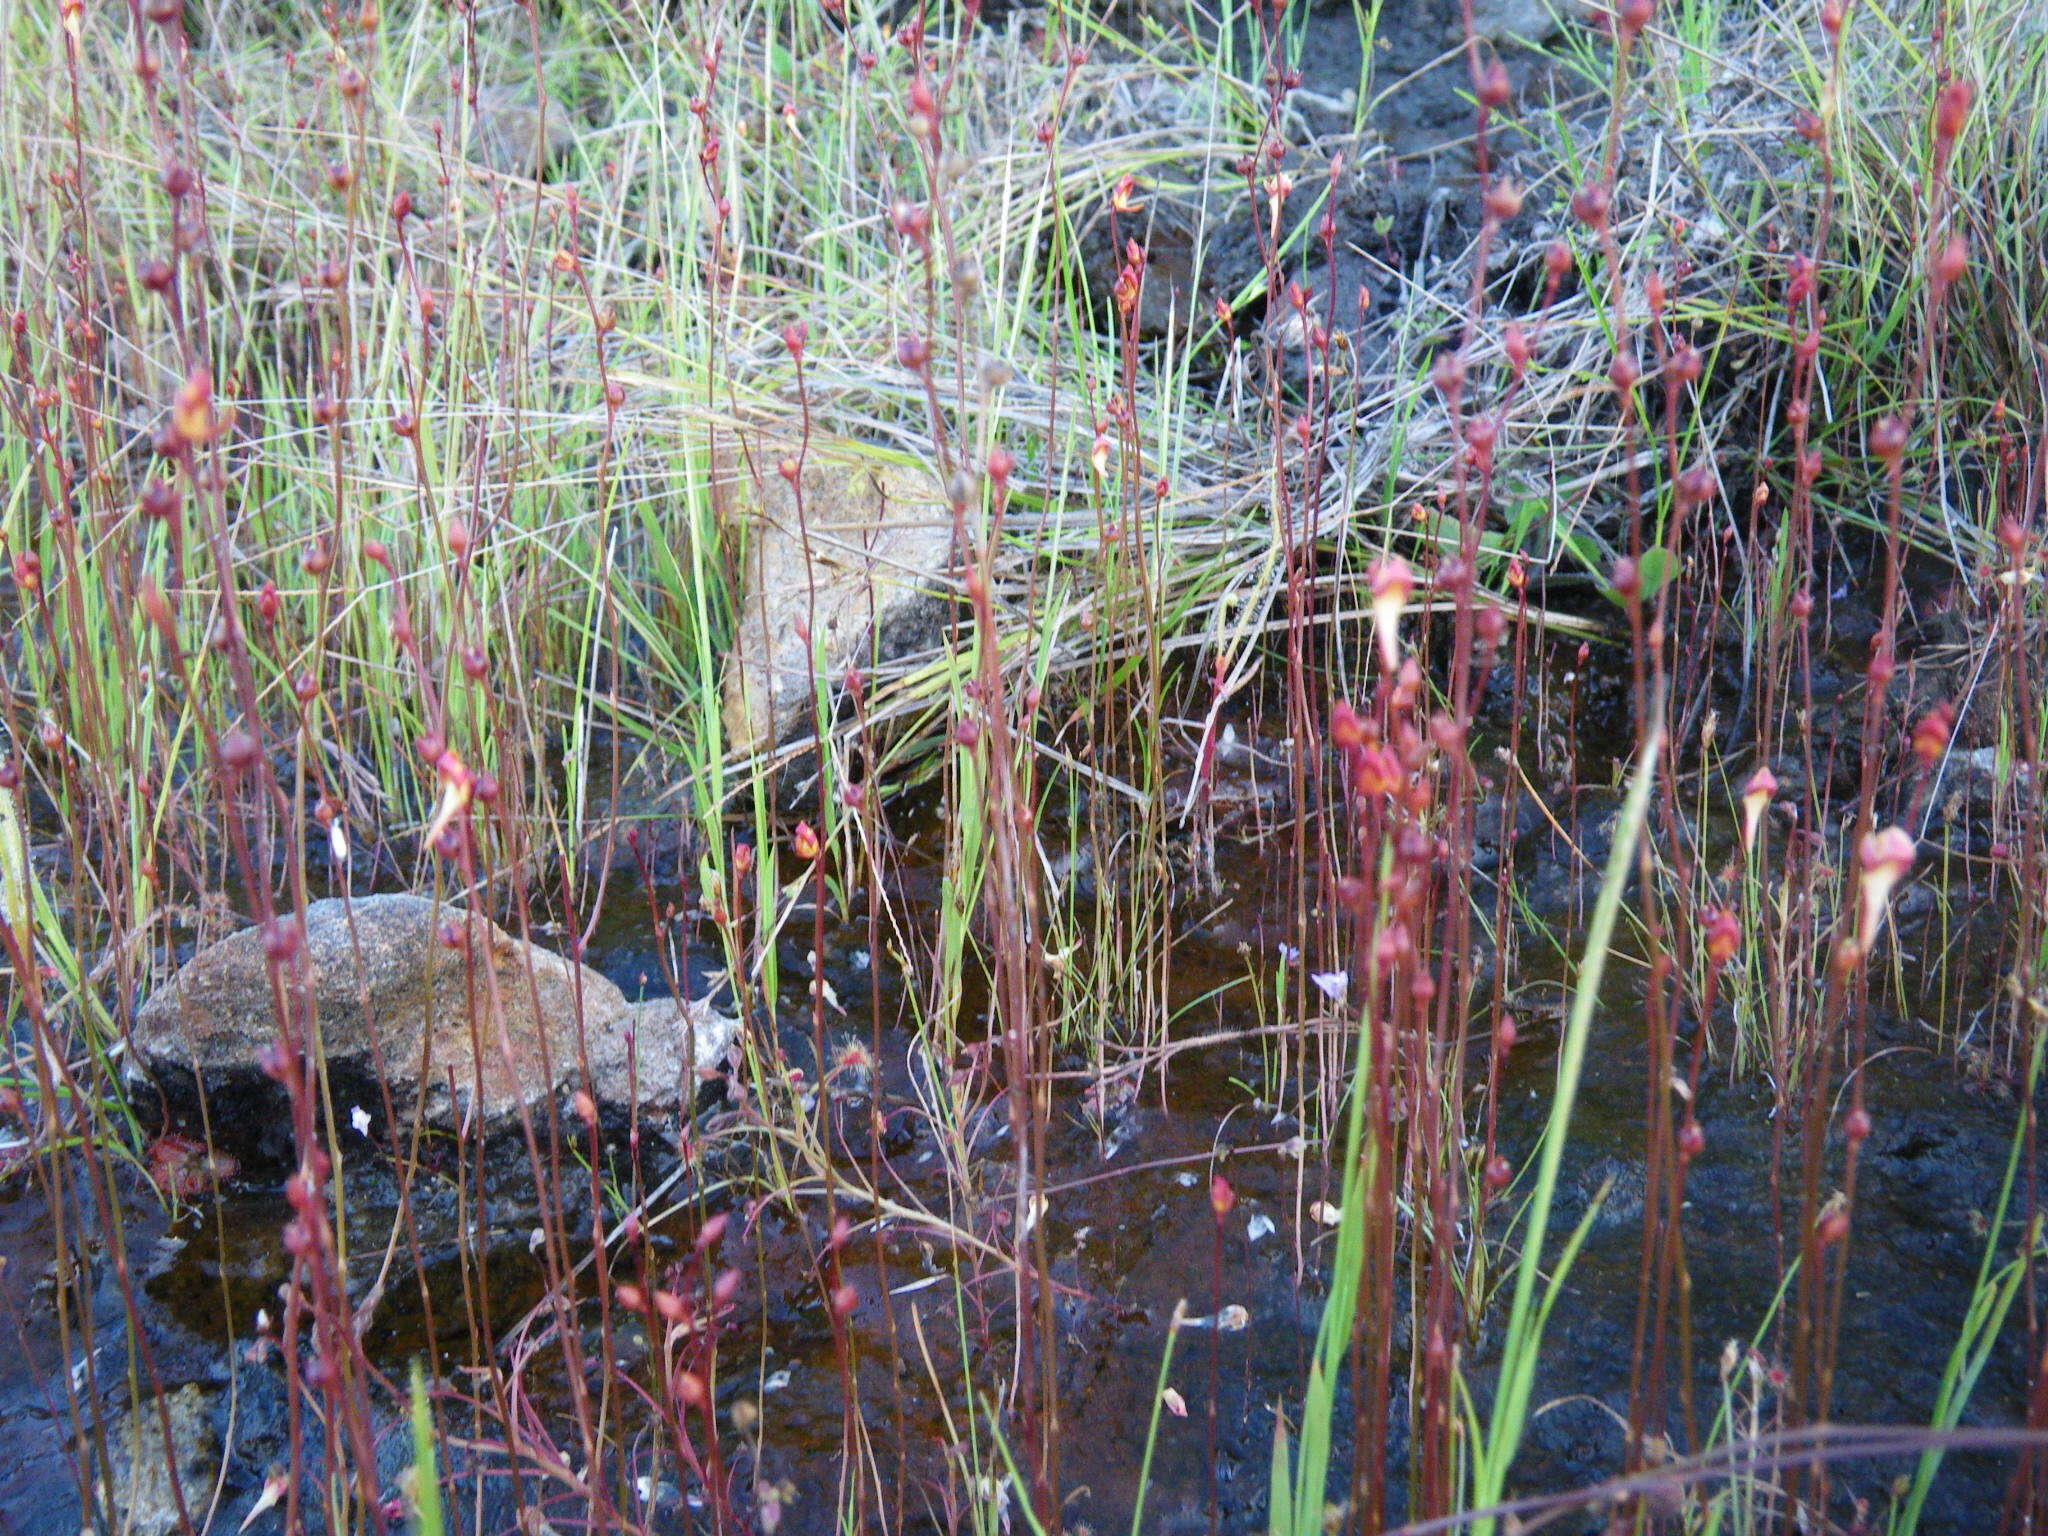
pixel 359 1117
pixel 1335 985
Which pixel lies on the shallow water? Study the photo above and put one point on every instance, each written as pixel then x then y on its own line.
pixel 1131 1235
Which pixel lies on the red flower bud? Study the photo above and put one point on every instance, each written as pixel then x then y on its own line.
pixel 1222 1198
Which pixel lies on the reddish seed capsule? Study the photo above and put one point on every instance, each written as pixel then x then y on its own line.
pixel 1952 110
pixel 1515 343
pixel 1498 1174
pixel 1952 261
pixel 914 352
pixel 1692 1140
pixel 1347 731
pixel 844 1300
pixel 1931 735
pixel 631 1297
pixel 1856 1126
pixel 474 663
pixel 304 687
pixel 1495 89
pixel 281 936
pixel 158 608
pixel 1590 206
pixel 161 500
pixel 1888 439
pixel 1833 1227
pixel 1724 937
pixel 239 751
pixel 430 746
pixel 1557 260
pixel 1447 374
pixel 804 842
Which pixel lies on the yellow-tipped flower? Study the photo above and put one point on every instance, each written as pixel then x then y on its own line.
pixel 456 786
pixel 1886 857
pixel 1393 583
pixel 1756 799
pixel 192 416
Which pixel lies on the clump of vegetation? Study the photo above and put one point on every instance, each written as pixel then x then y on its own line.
pixel 1470 710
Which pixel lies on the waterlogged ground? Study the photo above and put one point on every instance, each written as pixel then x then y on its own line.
pixel 1127 1213
pixel 1132 1236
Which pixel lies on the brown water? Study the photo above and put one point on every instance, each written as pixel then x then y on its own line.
pixel 1131 1233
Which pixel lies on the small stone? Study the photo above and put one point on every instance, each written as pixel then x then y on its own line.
pixel 485 1027
pixel 143 1497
